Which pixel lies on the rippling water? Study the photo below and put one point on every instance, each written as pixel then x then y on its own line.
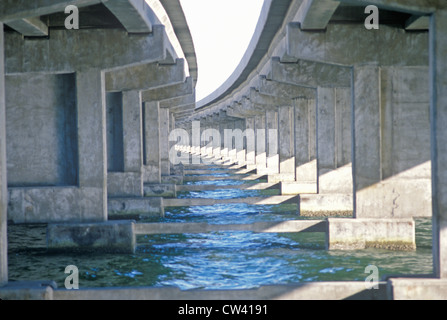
pixel 218 260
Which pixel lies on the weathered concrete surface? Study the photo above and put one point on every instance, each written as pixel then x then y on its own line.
pixel 329 46
pixel 354 290
pixel 260 227
pixel 28 290
pixel 160 190
pixel 135 207
pixel 77 196
pixel 392 140
pixel 417 289
pixel 40 205
pixel 125 176
pixel 252 200
pixel 438 117
pixel 354 234
pixel 3 170
pixel 41 130
pixel 325 205
pixel 124 184
pixel 110 236
pixel 67 52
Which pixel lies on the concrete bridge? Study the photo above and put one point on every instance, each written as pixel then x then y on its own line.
pixel 340 119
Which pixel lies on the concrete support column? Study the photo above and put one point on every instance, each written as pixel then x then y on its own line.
pixel 438 115
pixel 251 143
pixel 195 141
pixel 217 140
pixel 223 148
pixel 286 147
pixel 334 140
pixel 271 124
pixel 164 142
pixel 3 180
pixel 240 146
pixel 130 182
pixel 228 137
pixel 92 140
pixel 392 142
pixel 261 155
pixel 305 149
pixel 390 161
pixel 152 142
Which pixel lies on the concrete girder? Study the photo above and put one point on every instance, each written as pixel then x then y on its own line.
pixel 235 114
pixel 335 45
pixel 267 101
pixel 67 52
pixel 135 15
pixel 30 27
pixel 410 6
pixel 282 89
pixel 223 116
pixel 141 77
pixel 315 14
pixel 169 92
pixel 178 103
pixel 310 74
pixel 246 109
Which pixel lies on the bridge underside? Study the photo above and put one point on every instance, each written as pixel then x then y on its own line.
pixel 101 123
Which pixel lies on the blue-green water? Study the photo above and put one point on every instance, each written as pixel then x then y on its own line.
pixel 218 260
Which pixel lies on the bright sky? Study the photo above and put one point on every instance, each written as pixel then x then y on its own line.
pixel 221 31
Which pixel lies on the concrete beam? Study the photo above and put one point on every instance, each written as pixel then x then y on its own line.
pixel 140 77
pixel 354 234
pixel 310 74
pixel 335 45
pixel 268 101
pixel 109 236
pixel 315 14
pixel 135 15
pixel 178 103
pixel 410 6
pixel 30 27
pixel 169 92
pixel 293 199
pixel 286 90
pixel 258 227
pixel 67 52
pixel 336 290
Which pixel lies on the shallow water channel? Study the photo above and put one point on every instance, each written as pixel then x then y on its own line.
pixel 217 260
